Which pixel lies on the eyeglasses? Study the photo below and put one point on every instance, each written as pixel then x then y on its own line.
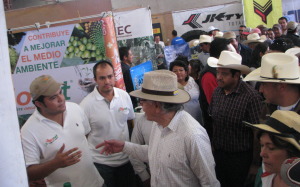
pixel 241 30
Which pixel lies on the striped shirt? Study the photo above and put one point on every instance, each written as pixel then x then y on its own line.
pixel 179 154
pixel 228 112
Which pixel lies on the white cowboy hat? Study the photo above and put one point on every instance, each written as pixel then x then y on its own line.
pixel 230 60
pixel 276 67
pixel 193 43
pixel 254 37
pixel 212 28
pixel 219 34
pixel 293 51
pixel 162 86
pixel 205 39
pixel 284 124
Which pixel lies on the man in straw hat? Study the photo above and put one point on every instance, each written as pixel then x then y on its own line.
pixel 241 49
pixel 232 102
pixel 53 138
pixel 279 76
pixel 279 140
pixel 204 42
pixel 179 151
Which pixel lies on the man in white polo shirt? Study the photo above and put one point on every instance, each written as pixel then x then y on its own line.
pixel 108 110
pixel 54 139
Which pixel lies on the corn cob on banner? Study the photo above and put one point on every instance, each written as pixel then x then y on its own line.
pixel 262 12
pixel 67 53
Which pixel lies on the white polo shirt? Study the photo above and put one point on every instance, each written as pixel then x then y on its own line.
pixel 108 121
pixel 42 138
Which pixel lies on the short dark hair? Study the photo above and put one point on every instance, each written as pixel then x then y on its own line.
pixel 124 51
pixel 281 144
pixel 217 46
pixel 101 63
pixel 281 44
pixel 234 71
pixel 39 99
pixel 270 29
pixel 183 58
pixel 281 18
pixel 242 25
pixel 174 33
pixel 180 64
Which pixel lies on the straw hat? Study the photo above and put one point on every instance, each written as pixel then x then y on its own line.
pixel 229 35
pixel 205 39
pixel 162 86
pixel 230 60
pixel 292 25
pixel 276 67
pixel 254 37
pixel 283 124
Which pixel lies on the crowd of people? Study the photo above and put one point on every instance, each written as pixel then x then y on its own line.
pixel 230 118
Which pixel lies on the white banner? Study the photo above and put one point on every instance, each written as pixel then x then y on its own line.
pixel 224 17
pixel 43 49
pixel 78 82
pixel 133 24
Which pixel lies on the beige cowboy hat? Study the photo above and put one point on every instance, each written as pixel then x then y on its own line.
pixel 162 86
pixel 284 124
pixel 230 60
pixel 276 67
pixel 205 39
pixel 253 38
pixel 229 35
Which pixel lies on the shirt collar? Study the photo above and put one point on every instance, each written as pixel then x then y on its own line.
pixel 100 97
pixel 235 90
pixel 173 125
pixel 40 117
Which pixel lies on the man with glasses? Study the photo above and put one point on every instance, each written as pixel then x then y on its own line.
pixel 242 29
pixel 179 151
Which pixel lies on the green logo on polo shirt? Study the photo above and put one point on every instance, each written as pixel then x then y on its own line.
pixel 50 141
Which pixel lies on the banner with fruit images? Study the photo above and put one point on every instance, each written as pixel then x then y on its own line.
pixel 67 53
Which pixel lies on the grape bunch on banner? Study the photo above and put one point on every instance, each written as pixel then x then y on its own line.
pixel 68 53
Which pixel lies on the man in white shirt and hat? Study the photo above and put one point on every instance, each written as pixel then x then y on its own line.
pixel 179 150
pixel 204 42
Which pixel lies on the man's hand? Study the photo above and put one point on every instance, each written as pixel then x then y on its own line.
pixel 111 146
pixel 61 160
pixel 68 158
